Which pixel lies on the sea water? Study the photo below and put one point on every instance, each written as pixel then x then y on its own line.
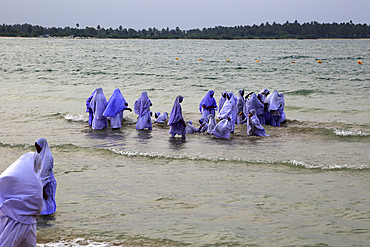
pixel 306 184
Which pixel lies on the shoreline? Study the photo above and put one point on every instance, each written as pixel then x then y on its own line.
pixel 82 38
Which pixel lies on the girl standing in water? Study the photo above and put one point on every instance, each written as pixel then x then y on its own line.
pixel 49 184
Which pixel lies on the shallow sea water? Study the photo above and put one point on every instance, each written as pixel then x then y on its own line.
pixel 306 185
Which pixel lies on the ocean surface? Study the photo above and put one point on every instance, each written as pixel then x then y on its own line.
pixel 307 184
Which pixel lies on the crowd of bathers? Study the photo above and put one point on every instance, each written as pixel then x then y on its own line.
pixel 253 110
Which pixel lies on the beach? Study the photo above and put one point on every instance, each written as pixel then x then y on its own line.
pixel 304 185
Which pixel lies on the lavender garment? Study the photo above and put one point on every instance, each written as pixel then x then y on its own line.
pixel 222 129
pixel 115 107
pixel 222 100
pixel 142 108
pixel 21 189
pixel 207 101
pixel 281 108
pixel 211 124
pixel 47 178
pixel 240 107
pixel 176 120
pixel 205 126
pixel 89 108
pixel 229 110
pixel 274 102
pixel 98 104
pixel 255 103
pixel 162 118
pixel 190 128
pixel 254 128
pixel 20 201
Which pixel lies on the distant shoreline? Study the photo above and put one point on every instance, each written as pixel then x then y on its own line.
pixel 94 38
pixel 264 31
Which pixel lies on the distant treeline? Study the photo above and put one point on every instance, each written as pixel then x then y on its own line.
pixel 295 30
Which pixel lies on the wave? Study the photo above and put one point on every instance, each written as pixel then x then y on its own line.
pixel 302 92
pixel 76 118
pixel 327 167
pixel 240 160
pixel 350 133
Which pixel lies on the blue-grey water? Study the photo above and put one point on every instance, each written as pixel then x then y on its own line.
pixel 307 184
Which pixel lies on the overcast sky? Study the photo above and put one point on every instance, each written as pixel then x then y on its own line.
pixel 186 14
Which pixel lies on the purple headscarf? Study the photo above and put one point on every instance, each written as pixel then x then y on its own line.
pixel 253 103
pixel 176 113
pixel 116 104
pixel 142 104
pixel 208 100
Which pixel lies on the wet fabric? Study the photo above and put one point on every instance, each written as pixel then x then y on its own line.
pixel 254 103
pixel 211 124
pixel 89 108
pixel 176 120
pixel 207 101
pixel 47 178
pixel 142 108
pixel 254 128
pixel 162 118
pixel 240 107
pixel 190 128
pixel 98 104
pixel 20 201
pixel 115 107
pixel 203 122
pixel 21 189
pixel 222 129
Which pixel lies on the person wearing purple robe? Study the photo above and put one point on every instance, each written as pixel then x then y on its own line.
pixel 203 124
pixel 261 97
pixel 208 105
pixel 161 117
pixel 115 107
pixel 281 108
pixel 222 100
pixel 254 103
pixel 47 177
pixel 240 107
pixel 142 108
pixel 89 109
pixel 190 128
pixel 273 102
pixel 222 129
pixel 254 128
pixel 211 124
pixel 20 201
pixel 98 104
pixel 229 110
pixel 176 121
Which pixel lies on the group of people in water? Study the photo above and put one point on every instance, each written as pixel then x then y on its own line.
pixel 252 110
pixel 28 186
pixel 27 189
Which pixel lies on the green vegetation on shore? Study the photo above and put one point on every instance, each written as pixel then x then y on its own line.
pixel 295 30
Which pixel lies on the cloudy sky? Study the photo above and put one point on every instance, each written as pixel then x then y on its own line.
pixel 186 14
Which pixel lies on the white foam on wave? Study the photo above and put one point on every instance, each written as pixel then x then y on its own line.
pixel 350 133
pixel 76 242
pixel 327 167
pixel 76 118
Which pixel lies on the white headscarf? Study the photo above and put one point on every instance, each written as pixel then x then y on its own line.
pixel 222 129
pixel 273 100
pixel 21 189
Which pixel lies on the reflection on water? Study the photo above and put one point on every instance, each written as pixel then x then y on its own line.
pixel 44 221
pixel 177 143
